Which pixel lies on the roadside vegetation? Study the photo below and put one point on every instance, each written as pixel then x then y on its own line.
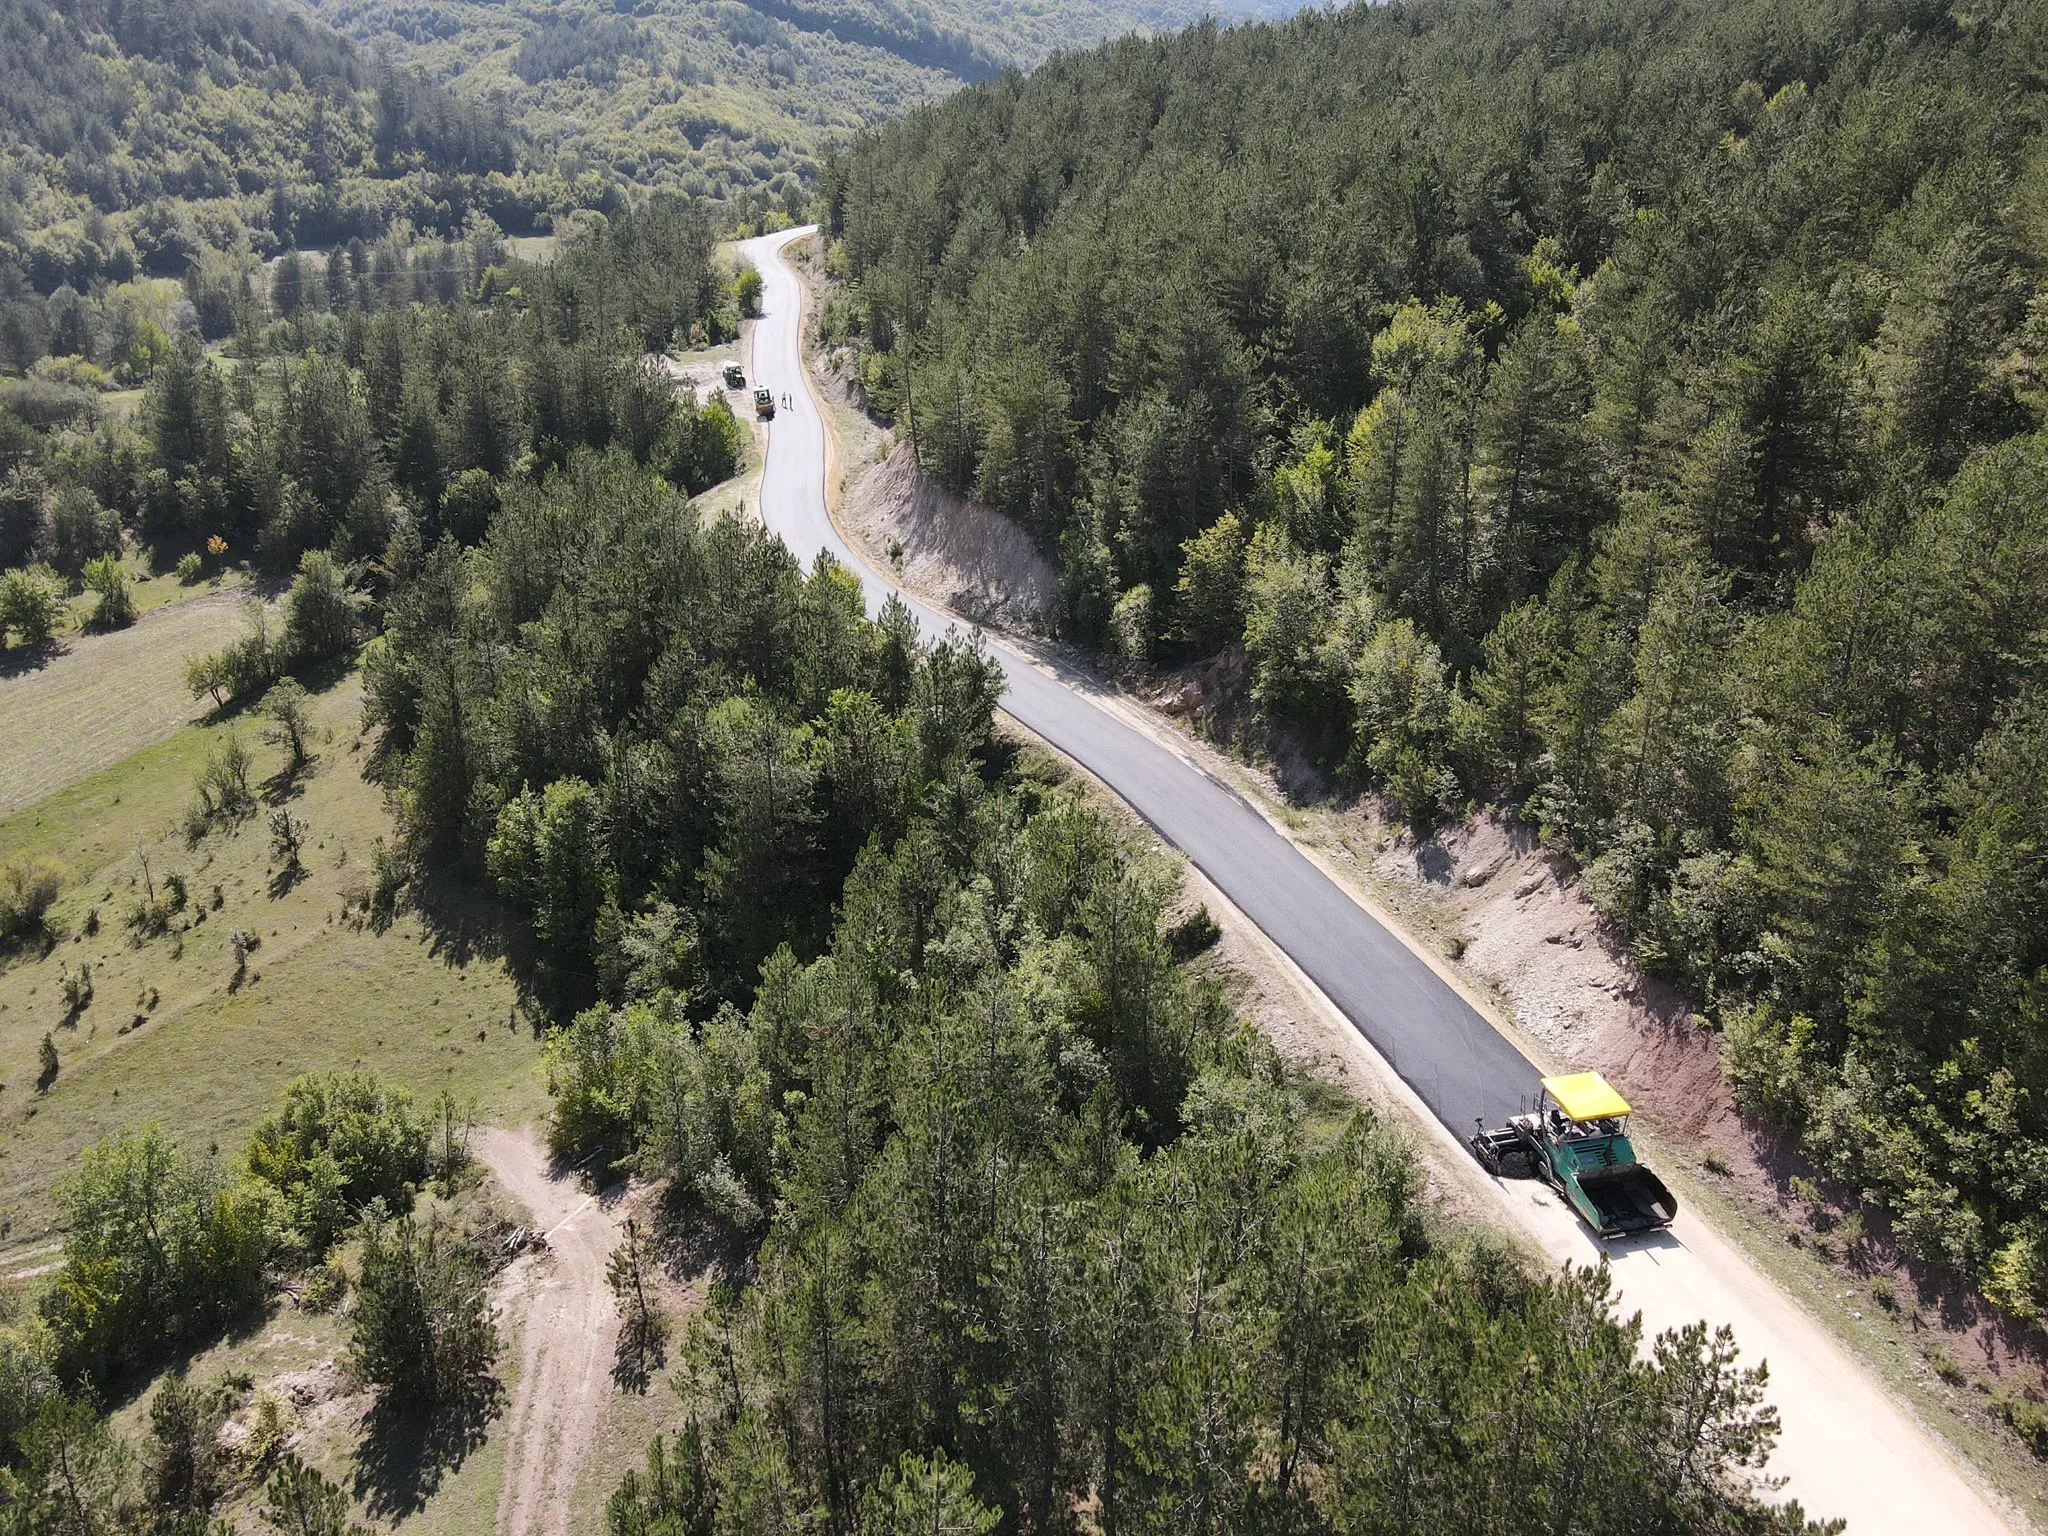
pixel 1033 1220
pixel 1594 449
pixel 1622 415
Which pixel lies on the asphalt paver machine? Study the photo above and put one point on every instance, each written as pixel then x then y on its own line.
pixel 1576 1140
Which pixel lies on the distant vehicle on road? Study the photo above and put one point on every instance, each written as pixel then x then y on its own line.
pixel 764 404
pixel 1576 1141
pixel 734 378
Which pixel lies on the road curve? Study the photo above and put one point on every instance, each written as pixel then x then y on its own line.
pixel 1457 1062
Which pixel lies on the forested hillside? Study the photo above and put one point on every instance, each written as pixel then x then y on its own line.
pixel 137 137
pixel 380 403
pixel 735 101
pixel 1632 410
pixel 1029 1220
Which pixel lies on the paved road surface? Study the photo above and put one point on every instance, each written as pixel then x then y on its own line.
pixel 1457 1062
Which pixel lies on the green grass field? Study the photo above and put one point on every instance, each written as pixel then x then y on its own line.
pixel 170 1036
pixel 90 701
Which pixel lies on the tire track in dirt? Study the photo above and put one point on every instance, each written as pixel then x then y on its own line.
pixel 568 1332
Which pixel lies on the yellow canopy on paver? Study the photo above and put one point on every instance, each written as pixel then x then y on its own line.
pixel 1585 1096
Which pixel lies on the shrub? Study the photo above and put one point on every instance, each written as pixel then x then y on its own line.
pixel 159 1251
pixel 2024 1417
pixel 81 530
pixel 1401 691
pixel 1193 934
pixel 326 1285
pixel 28 1378
pixel 76 987
pixel 469 506
pixel 746 290
pixel 223 783
pixel 303 1503
pixel 29 886
pixel 1208 599
pixel 287 838
pixel 247 666
pixel 321 612
pixel 1130 624
pixel 702 447
pixel 339 1141
pixel 422 1333
pixel 1945 1366
pixel 185 1460
pixel 290 724
pixel 31 603
pixel 109 579
pixel 190 568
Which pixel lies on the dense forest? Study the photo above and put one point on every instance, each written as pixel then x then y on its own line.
pixel 1630 410
pixel 376 403
pixel 1039 1224
pixel 1023 1221
pixel 136 137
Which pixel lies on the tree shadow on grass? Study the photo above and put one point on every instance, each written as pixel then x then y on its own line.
pixel 463 923
pixel 406 1452
pixel 288 783
pixel 19 660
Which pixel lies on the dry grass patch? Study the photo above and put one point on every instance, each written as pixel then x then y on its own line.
pixel 180 1031
pixel 86 701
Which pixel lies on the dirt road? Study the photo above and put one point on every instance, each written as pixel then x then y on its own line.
pixel 567 1329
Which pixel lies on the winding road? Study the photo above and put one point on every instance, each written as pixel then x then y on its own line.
pixel 1849 1449
pixel 1458 1063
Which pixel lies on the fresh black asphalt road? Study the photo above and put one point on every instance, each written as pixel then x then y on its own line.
pixel 1460 1065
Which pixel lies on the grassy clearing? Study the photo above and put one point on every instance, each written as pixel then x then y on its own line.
pixel 90 701
pixel 171 1034
pixel 150 590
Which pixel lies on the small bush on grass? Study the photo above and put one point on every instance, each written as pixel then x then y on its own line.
pixel 338 1142
pixel 223 787
pixel 287 839
pixel 31 604
pixel 107 578
pixel 29 887
pixel 160 1250
pixel 288 723
pixel 245 667
pixel 76 987
pixel 2024 1417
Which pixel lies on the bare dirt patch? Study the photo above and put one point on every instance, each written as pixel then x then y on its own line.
pixel 90 700
pixel 975 561
pixel 567 1328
